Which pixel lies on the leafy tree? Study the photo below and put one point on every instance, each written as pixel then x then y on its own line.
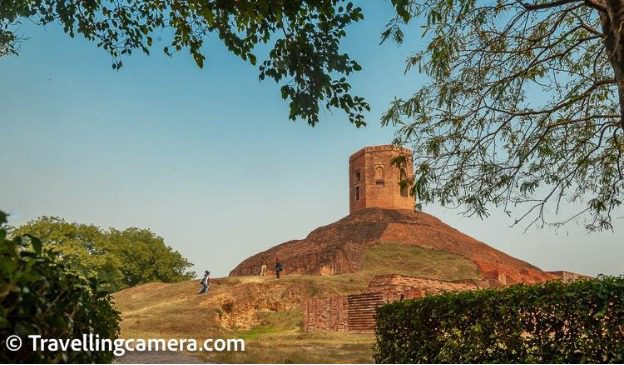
pixel 305 35
pixel 118 258
pixel 145 257
pixel 41 296
pixel 524 106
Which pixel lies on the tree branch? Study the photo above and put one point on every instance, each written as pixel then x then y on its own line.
pixel 553 4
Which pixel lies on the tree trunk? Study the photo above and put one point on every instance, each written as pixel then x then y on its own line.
pixel 613 27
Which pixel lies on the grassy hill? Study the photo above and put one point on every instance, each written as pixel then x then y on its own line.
pixel 267 312
pixel 340 247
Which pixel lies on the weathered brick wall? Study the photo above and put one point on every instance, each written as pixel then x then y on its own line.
pixel 401 283
pixel 355 313
pixel 374 180
pixel 325 313
pixel 323 262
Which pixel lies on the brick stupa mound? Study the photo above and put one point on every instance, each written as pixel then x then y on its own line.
pixel 340 247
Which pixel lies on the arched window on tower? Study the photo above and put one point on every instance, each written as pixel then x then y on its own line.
pixel 356 182
pixel 379 175
pixel 403 183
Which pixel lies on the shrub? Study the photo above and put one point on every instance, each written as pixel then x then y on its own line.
pixel 41 296
pixel 553 322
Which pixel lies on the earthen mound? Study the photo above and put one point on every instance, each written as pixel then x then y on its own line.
pixel 339 248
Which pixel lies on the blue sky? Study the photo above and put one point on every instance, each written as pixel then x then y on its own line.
pixel 208 158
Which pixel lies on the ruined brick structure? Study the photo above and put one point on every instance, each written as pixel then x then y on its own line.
pixel 375 175
pixel 567 276
pixel 356 312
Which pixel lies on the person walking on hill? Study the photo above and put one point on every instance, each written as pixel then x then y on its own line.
pixel 278 267
pixel 205 282
pixel 263 269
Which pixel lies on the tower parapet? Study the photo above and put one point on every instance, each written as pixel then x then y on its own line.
pixel 374 181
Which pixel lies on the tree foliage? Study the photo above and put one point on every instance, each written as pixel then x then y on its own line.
pixel 41 296
pixel 553 322
pixel 305 58
pixel 120 259
pixel 523 108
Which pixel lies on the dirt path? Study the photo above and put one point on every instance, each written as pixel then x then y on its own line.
pixel 158 357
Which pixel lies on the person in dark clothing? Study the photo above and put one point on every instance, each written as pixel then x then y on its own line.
pixel 278 267
pixel 205 283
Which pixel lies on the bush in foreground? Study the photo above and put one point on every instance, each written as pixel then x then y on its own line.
pixel 553 322
pixel 41 296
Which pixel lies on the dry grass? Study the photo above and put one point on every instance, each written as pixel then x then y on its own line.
pixel 166 311
pixel 317 347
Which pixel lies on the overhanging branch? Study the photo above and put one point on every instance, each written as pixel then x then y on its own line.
pixel 553 4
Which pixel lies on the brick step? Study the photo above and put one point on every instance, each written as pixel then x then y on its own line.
pixel 368 305
pixel 367 310
pixel 362 319
pixel 351 300
pixel 361 314
pixel 361 324
pixel 362 309
pixel 365 319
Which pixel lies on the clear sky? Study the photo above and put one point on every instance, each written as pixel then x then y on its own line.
pixel 207 158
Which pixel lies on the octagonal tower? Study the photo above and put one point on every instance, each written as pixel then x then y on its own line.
pixel 374 181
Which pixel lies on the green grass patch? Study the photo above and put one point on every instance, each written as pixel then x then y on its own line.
pixel 272 323
pixel 394 258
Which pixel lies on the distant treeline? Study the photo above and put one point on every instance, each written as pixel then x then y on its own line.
pixel 119 259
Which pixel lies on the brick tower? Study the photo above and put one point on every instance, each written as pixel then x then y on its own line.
pixel 374 180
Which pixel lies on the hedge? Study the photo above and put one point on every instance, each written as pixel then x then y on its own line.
pixel 552 322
